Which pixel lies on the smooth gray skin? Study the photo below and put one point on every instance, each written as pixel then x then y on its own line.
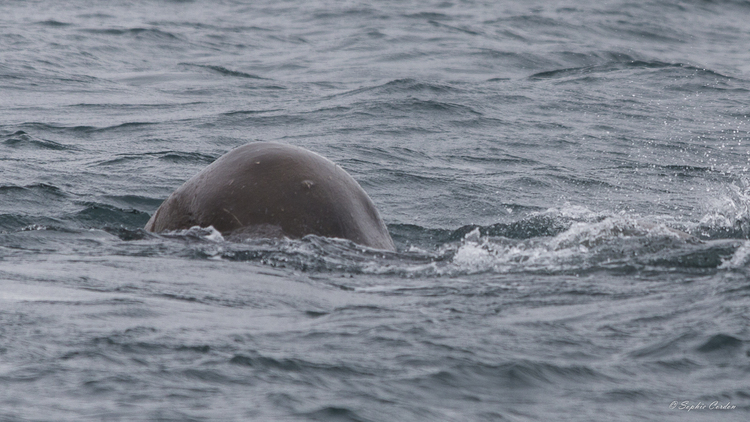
pixel 265 189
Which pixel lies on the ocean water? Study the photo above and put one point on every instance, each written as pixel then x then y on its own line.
pixel 566 183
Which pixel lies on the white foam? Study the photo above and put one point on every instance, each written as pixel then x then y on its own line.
pixel 739 259
pixel 569 249
pixel 730 211
pixel 208 233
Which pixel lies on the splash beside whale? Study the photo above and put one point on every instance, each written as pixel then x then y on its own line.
pixel 266 189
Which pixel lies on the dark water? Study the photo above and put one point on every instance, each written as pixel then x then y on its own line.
pixel 536 163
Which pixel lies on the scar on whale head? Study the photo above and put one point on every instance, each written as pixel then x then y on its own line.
pixel 265 189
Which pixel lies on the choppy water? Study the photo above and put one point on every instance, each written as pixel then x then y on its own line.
pixel 534 162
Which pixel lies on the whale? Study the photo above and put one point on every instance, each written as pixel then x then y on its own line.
pixel 273 190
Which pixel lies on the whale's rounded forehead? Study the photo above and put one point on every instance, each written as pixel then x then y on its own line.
pixel 276 151
pixel 272 156
pixel 277 166
pixel 274 184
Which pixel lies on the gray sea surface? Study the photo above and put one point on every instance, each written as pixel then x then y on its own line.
pixel 566 183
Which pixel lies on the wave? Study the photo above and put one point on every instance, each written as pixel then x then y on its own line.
pixel 121 222
pixel 430 16
pixel 54 23
pixel 413 106
pixel 250 112
pixel 455 28
pixel 401 87
pixel 78 130
pixel 472 376
pixel 147 33
pixel 127 126
pixel 42 189
pixel 22 140
pixel 224 71
pixel 40 198
pixel 13 222
pixel 728 215
pixel 134 106
pixel 54 128
pixel 613 244
pixel 557 241
pixel 551 242
pixel 348 12
pixel 177 157
pixel 627 63
pixel 100 215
